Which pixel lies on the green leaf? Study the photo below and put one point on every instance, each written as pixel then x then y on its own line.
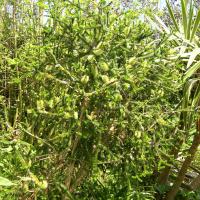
pixel 34 177
pixel 79 133
pixel 181 27
pixel 163 25
pixel 66 190
pixel 190 20
pixel 186 96
pixel 20 158
pixel 154 24
pixel 12 62
pixel 42 5
pixel 9 149
pixel 187 91
pixel 191 71
pixel 172 16
pixel 196 24
pixel 196 96
pixel 193 105
pixel 5 182
pixel 184 17
pixel 184 46
pixel 162 188
pixel 96 123
pixel 193 56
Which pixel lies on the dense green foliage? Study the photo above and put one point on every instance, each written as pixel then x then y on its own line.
pixel 89 103
pixel 186 42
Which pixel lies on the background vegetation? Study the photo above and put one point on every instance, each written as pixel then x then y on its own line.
pixel 95 104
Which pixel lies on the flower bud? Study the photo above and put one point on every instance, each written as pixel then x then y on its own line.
pixel 118 97
pixel 67 115
pixel 104 66
pixel 85 79
pixel 40 104
pixel 138 134
pixel 161 121
pixel 94 70
pixel 100 45
pixel 75 115
pixel 105 78
pixel 91 58
pixel 132 60
pixel 127 30
pixel 98 52
pixel 43 184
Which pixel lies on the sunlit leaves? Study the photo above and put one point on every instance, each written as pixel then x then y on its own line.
pixel 100 88
pixel 5 182
pixel 191 71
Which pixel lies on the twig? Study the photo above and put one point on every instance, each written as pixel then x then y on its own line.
pixel 41 140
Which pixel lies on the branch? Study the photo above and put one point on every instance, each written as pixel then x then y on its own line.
pixel 41 140
pixel 71 166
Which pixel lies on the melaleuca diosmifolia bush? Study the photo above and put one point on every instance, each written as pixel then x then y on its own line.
pixel 96 98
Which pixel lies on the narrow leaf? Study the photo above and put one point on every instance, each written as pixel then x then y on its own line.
pixel 185 4
pixel 172 16
pixel 9 149
pixel 181 27
pixel 163 25
pixel 196 96
pixel 194 104
pixel 190 20
pixel 198 30
pixel 184 17
pixel 191 71
pixel 183 47
pixel 187 91
pixel 186 96
pixel 196 24
pixel 154 24
pixel 193 56
pixel 34 177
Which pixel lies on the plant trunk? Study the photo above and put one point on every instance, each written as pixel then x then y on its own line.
pixel 163 178
pixel 181 175
pixel 195 184
pixel 77 137
pixel 175 187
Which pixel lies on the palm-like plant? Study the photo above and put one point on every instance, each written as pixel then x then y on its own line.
pixel 186 40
